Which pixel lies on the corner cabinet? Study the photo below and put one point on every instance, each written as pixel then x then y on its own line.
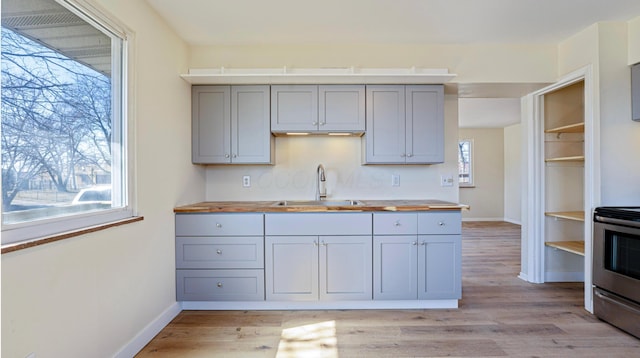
pixel 230 125
pixel 417 256
pixel 318 256
pixel 405 124
pixel 317 108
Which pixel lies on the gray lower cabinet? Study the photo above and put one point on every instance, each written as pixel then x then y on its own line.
pixel 417 256
pixel 304 266
pixel 219 257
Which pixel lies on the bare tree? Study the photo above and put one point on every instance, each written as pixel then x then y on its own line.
pixel 56 116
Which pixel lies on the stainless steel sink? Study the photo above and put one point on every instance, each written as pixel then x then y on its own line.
pixel 324 203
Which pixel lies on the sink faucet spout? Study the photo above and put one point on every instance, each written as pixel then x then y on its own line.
pixel 321 188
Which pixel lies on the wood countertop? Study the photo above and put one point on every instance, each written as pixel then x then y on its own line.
pixel 273 207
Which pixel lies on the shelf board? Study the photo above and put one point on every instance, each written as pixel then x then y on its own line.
pixel 571 128
pixel 347 75
pixel 574 247
pixel 577 158
pixel 568 215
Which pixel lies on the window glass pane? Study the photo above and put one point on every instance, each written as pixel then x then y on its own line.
pixel 62 152
pixel 465 173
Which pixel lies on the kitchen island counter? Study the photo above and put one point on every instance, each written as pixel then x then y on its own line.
pixel 272 206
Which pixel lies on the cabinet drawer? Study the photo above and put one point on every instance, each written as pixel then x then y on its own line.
pixel 219 224
pixel 318 224
pixel 440 222
pixel 220 252
pixel 220 285
pixel 395 224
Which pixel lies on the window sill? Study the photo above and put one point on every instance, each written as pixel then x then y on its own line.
pixel 66 235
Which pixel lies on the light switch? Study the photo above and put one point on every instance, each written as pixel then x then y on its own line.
pixel 446 180
pixel 395 180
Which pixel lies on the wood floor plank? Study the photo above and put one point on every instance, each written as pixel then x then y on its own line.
pixel 499 315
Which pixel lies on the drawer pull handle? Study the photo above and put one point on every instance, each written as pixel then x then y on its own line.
pixel 219 252
pixel 440 223
pixel 219 284
pixel 218 225
pixel 397 223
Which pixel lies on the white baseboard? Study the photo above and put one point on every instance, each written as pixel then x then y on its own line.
pixel 551 276
pixel 145 336
pixel 523 276
pixel 493 219
pixel 321 305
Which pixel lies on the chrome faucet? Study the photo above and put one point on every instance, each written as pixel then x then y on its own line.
pixel 321 188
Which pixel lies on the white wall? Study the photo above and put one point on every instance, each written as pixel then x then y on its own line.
pixel 89 295
pixel 634 41
pixel 513 165
pixel 486 198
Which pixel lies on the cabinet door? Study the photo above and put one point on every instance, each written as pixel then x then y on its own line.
pixel 211 122
pixel 341 108
pixel 439 267
pixel 345 267
pixel 395 268
pixel 291 265
pixel 425 124
pixel 294 108
pixel 385 120
pixel 251 139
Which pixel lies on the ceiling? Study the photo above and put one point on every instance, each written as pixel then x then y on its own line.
pixel 211 22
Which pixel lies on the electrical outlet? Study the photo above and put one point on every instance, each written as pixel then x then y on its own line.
pixel 395 180
pixel 446 180
pixel 246 181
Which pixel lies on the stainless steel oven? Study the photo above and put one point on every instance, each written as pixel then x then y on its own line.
pixel 616 267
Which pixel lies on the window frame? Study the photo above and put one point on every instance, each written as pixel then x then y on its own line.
pixel 122 110
pixel 470 183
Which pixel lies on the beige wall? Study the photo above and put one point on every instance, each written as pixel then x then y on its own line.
pixel 90 295
pixel 513 165
pixel 486 198
pixel 634 41
pixel 471 63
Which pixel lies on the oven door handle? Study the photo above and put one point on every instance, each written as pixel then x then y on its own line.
pixel 617 221
pixel 620 302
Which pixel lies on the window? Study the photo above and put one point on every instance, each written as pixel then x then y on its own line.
pixel 64 140
pixel 465 163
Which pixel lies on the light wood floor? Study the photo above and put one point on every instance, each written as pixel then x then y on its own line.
pixel 499 315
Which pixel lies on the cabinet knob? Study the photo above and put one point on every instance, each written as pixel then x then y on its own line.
pixel 403 155
pixel 218 225
pixel 323 123
pixel 415 243
pixel 423 243
pixel 226 155
pixel 323 243
pixel 440 223
pixel 397 223
pixel 410 155
pixel 219 251
pixel 315 123
pixel 235 156
pixel 315 243
pixel 219 284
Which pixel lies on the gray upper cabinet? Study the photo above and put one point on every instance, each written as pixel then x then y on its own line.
pixel 405 124
pixel 635 92
pixel 230 125
pixel 317 109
